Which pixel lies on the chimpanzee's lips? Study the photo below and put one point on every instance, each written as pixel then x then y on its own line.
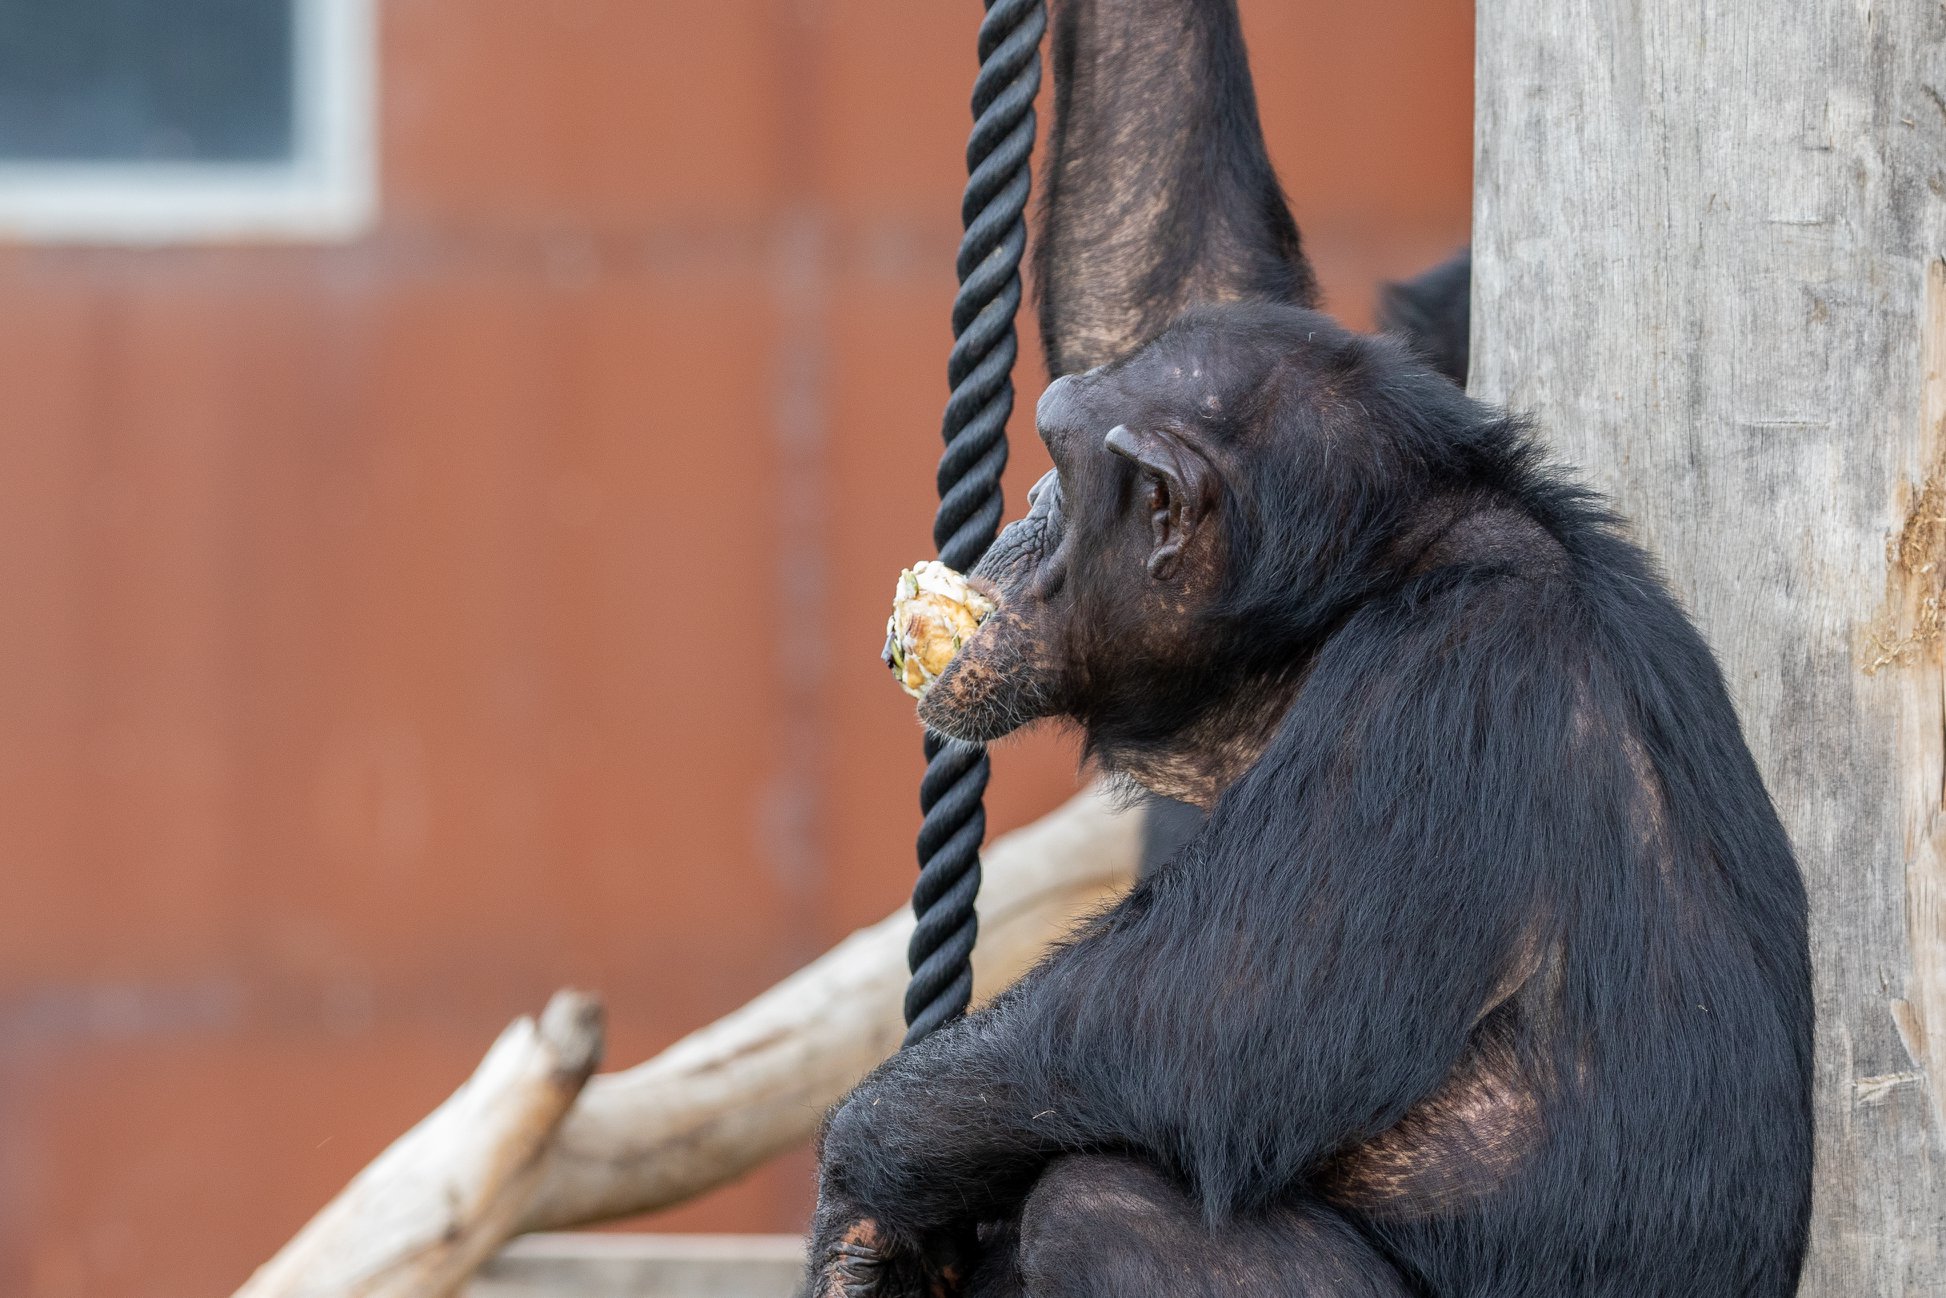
pixel 986 587
pixel 1010 566
pixel 1010 563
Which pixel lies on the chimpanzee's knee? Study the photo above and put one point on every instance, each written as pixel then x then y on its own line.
pixel 859 1163
pixel 1091 1224
pixel 1096 1225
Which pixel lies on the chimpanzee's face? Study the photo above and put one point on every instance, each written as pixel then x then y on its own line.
pixel 1101 583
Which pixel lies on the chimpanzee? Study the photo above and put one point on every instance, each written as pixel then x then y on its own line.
pixel 1487 973
pixel 1432 312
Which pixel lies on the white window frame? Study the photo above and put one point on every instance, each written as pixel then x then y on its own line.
pixel 327 190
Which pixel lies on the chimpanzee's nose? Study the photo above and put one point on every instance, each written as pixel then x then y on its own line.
pixel 1048 482
pixel 1054 403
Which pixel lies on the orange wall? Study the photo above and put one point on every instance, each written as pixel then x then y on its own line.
pixel 394 632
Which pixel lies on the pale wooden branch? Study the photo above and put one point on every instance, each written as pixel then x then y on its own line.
pixel 507 1154
pixel 446 1194
pixel 757 1081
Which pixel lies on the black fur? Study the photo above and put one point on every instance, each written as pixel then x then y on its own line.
pixel 1433 313
pixel 1158 192
pixel 1506 858
pixel 1154 199
pixel 1490 975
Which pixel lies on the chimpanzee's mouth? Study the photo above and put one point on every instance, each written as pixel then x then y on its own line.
pixel 985 587
pixel 935 611
pixel 1024 545
pixel 992 591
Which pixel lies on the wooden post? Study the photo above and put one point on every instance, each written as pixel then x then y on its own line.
pixel 1708 243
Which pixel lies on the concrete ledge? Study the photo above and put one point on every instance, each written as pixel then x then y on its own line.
pixel 589 1265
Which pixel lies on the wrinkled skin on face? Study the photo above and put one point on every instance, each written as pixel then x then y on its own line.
pixel 1215 506
pixel 1011 671
pixel 1099 586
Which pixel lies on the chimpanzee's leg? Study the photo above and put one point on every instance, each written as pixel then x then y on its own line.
pixel 1104 1227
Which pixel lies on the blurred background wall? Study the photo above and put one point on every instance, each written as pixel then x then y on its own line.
pixel 394 629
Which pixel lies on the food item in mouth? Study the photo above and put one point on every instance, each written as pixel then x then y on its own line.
pixel 934 612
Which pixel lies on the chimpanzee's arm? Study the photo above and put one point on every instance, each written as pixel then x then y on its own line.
pixel 1315 964
pixel 1311 968
pixel 949 1130
pixel 1157 193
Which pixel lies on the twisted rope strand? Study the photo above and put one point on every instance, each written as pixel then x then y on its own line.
pixel 980 370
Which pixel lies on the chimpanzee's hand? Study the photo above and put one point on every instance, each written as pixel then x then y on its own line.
pixel 854 1256
pixel 853 1264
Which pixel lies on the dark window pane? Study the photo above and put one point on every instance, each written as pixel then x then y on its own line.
pixel 145 80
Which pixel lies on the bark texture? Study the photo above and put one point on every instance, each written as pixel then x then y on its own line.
pixel 1708 259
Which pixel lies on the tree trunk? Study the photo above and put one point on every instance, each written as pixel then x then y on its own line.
pixel 1708 244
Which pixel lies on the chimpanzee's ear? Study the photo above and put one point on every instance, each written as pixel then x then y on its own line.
pixel 1158 193
pixel 1178 488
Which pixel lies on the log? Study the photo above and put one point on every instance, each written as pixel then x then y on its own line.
pixel 757 1082
pixel 445 1195
pixel 1708 244
pixel 588 1264
pixel 524 1145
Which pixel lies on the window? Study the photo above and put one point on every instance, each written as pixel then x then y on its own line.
pixel 161 120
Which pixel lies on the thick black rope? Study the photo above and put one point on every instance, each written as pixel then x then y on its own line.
pixel 975 428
